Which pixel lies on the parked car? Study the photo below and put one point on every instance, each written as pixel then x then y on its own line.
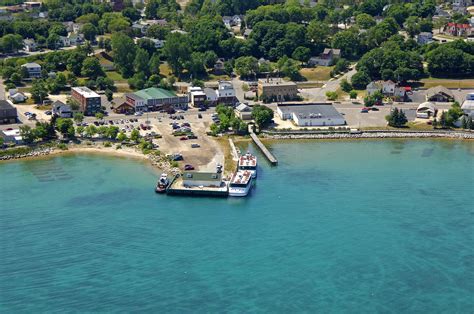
pixel 184 138
pixel 199 116
pixel 188 167
pixel 48 112
pixel 364 110
pixel 195 145
pixel 192 137
pixel 138 113
pixel 375 109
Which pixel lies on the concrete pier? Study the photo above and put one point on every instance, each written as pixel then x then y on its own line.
pixel 264 150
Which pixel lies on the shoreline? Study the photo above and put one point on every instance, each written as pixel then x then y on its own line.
pixel 163 165
pixel 152 160
pixel 374 135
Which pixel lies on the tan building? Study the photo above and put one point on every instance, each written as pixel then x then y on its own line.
pixel 277 90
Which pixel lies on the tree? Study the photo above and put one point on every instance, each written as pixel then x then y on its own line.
pixel 353 94
pixel 289 68
pixel 80 130
pixel 318 32
pixel 411 26
pixel 78 117
pixel 346 86
pixel 39 91
pixel 469 123
pixel 89 31
pixel 65 127
pixel 112 132
pixel 109 94
pixel 360 80
pixel 131 13
pixel 74 61
pixel 447 60
pixel 135 135
pixel 349 43
pixel 11 43
pixel 121 137
pixel 123 49
pixel 196 65
pixel 262 115
pixel 396 118
pixel 246 66
pixel 331 96
pixel 90 130
pixel 365 21
pixel 154 64
pixel 341 66
pixel 464 122
pixel 99 115
pixel 177 51
pixel 301 54
pixel 91 68
pixel 140 64
pixel 27 133
pixel 443 121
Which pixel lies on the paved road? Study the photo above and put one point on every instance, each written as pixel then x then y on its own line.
pixel 319 94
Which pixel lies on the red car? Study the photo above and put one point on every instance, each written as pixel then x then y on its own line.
pixel 188 167
pixel 184 138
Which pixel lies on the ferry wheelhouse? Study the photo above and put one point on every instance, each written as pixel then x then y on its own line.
pixel 241 183
pixel 162 183
pixel 248 162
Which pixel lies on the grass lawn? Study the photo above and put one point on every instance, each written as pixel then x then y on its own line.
pixel 115 76
pixel 304 85
pixel 124 88
pixel 319 73
pixel 229 163
pixel 165 69
pixel 448 83
pixel 223 77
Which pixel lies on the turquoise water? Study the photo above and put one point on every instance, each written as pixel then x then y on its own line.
pixel 363 226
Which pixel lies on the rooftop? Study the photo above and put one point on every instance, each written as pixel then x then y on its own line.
pixel 275 82
pixel 241 177
pixel 5 105
pixel 155 93
pixel 468 105
pixel 312 111
pixel 202 176
pixel 248 160
pixel 31 65
pixel 85 91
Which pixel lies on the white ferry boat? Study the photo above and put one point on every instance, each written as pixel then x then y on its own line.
pixel 248 162
pixel 241 183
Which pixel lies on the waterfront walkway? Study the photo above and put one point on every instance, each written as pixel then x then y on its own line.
pixel 264 149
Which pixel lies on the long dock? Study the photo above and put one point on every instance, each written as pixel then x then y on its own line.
pixel 264 149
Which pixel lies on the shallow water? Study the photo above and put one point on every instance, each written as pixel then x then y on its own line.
pixel 343 226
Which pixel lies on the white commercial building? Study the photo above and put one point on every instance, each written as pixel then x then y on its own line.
pixel 323 114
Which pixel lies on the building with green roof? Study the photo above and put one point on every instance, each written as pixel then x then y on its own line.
pixel 153 99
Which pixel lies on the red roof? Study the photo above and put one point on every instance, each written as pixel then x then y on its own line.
pixel 457 25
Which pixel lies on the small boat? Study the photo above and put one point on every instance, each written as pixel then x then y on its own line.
pixel 162 183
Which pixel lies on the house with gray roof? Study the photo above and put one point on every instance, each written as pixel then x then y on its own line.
pixel 33 69
pixel 439 94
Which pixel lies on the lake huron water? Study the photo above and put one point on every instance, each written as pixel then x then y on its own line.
pixel 341 227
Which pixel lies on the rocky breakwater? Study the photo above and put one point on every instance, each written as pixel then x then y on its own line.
pixel 378 134
pixel 163 164
pixel 14 154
